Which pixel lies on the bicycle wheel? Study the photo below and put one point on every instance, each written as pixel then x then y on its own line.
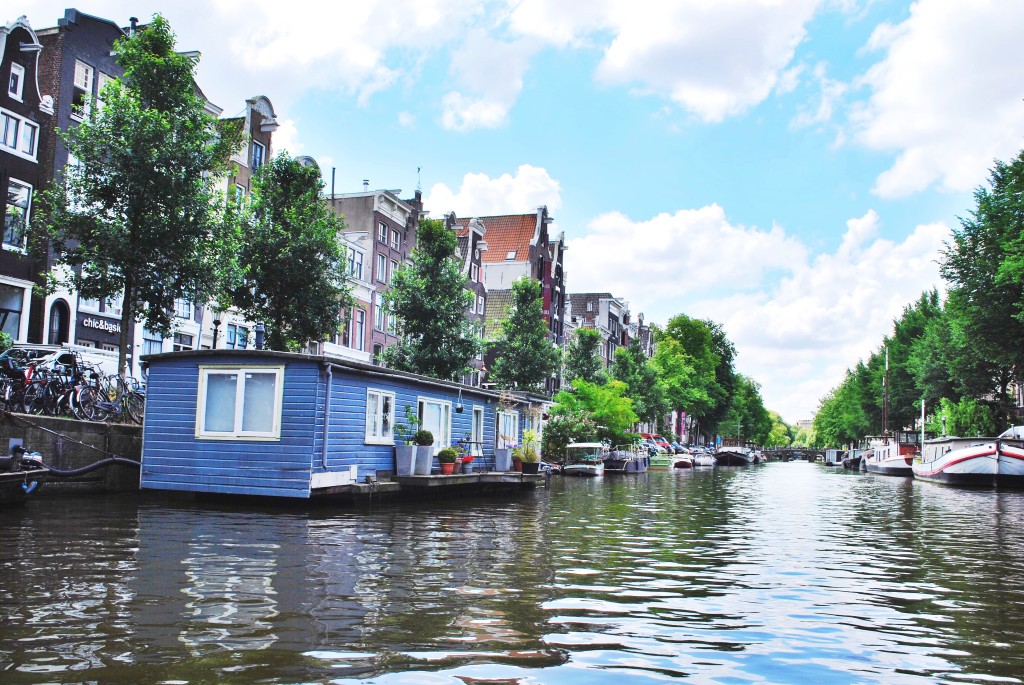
pixel 135 406
pixel 89 404
pixel 32 402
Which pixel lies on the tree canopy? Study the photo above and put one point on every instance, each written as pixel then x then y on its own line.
pixel 582 359
pixel 429 299
pixel 526 355
pixel 136 218
pixel 290 261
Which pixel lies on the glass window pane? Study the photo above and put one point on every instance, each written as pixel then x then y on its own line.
pixel 385 416
pixel 371 414
pixel 220 402
pixel 258 403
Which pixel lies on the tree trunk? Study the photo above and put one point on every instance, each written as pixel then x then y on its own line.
pixel 127 315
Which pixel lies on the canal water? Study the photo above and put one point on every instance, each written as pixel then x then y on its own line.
pixel 783 573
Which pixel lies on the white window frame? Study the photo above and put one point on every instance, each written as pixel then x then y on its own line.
pixel 396 239
pixel 183 308
pixel 359 330
pixel 442 438
pixel 178 343
pixel 16 92
pixel 382 232
pixel 391 273
pixel 28 216
pixel 379 320
pixel 355 263
pixel 476 432
pixel 375 401
pixel 260 159
pixel 101 81
pixel 12 133
pixel 499 441
pixel 84 84
pixel 273 434
pixel 382 268
pixel 474 273
pixel 480 304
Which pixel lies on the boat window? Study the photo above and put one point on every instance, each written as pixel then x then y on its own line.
pixel 507 433
pixel 436 417
pixel 239 403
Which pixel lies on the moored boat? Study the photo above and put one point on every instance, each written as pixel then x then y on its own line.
pixel 734 455
pixel 683 461
pixel 21 475
pixel 988 462
pixel 584 459
pixel 704 459
pixel 624 459
pixel 834 456
pixel 661 461
pixel 891 455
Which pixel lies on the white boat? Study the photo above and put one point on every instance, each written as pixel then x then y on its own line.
pixel 989 462
pixel 704 459
pixel 682 461
pixel 891 455
pixel 585 459
pixel 834 457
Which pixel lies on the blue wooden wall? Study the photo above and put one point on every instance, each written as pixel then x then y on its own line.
pixel 173 459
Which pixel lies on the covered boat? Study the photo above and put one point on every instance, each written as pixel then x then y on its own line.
pixel 584 459
pixel 626 459
pixel 891 455
pixel 989 462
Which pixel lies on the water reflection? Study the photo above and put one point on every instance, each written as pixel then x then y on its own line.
pixel 784 573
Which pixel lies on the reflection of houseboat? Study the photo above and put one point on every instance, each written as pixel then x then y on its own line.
pixel 257 422
pixel 891 455
pixel 625 459
pixel 974 461
pixel 584 459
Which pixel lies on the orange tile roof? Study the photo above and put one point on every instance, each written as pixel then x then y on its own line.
pixel 505 234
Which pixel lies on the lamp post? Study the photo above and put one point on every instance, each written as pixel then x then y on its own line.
pixel 216 331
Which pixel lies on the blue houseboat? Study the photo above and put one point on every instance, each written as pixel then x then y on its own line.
pixel 257 422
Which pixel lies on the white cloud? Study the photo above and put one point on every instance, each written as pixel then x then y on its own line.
pixel 830 93
pixel 481 195
pixel 406 119
pixel 286 138
pixel 798 320
pixel 492 70
pixel 945 96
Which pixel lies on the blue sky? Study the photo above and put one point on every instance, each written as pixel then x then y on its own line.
pixel 789 168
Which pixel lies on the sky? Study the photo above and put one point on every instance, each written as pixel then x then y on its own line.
pixel 788 168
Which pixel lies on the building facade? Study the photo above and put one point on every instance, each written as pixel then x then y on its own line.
pixel 26 124
pixel 472 245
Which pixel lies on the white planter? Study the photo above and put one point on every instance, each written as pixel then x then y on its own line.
pixel 405 460
pixel 424 460
pixel 503 460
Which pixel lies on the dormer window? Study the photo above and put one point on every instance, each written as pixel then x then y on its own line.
pixel 16 83
pixel 510 256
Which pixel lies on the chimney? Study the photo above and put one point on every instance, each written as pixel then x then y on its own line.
pixel 134 23
pixel 366 184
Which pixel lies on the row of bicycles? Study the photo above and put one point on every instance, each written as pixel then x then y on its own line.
pixel 61 384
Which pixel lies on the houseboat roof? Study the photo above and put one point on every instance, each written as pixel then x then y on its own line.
pixel 241 356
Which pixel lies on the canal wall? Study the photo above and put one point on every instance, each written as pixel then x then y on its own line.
pixel 70 444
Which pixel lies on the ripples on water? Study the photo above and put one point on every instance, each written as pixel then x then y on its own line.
pixel 787 573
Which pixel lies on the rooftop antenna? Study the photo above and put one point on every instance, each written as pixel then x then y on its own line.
pixel 419 184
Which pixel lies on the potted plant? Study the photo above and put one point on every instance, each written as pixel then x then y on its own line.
pixel 446 458
pixel 529 459
pixel 424 440
pixel 517 459
pixel 405 447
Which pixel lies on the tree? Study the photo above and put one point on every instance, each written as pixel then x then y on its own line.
pixel 606 405
pixel 632 367
pixel 290 261
pixel 679 378
pixel 985 267
pixel 582 360
pixel 568 426
pixel 781 434
pixel 136 218
pixel 526 357
pixel 430 300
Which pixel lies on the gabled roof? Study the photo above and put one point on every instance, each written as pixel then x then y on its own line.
pixel 509 234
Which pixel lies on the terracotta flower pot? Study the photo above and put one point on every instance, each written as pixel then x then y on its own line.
pixel 447 468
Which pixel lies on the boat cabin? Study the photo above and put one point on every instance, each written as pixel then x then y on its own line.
pixel 257 422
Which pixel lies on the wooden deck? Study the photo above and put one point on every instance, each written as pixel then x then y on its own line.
pixel 436 485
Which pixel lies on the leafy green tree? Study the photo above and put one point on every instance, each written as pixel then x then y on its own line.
pixel 606 405
pixel 526 357
pixel 582 360
pixel 967 417
pixel 430 300
pixel 290 261
pixel 985 268
pixel 781 434
pixel 137 217
pixel 565 427
pixel 678 377
pixel 747 416
pixel 632 367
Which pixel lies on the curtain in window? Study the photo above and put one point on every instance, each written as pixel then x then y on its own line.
pixel 258 404
pixel 220 402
